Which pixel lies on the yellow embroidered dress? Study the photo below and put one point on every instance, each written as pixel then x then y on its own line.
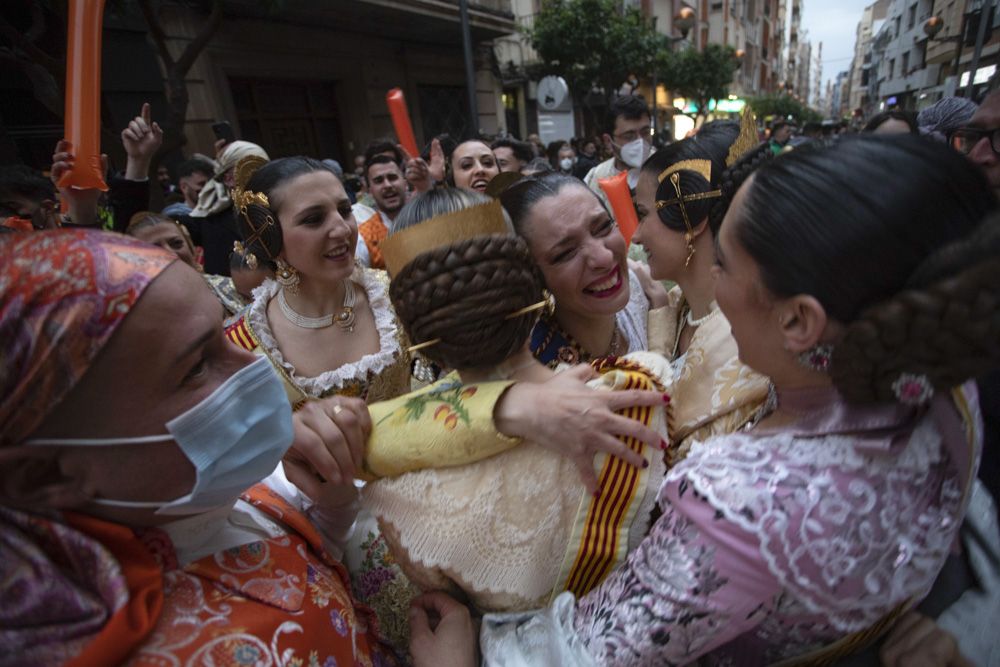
pixel 379 376
pixel 512 531
pixel 711 391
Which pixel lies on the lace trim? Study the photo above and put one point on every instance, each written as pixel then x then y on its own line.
pixel 360 370
pixel 500 525
pixel 849 535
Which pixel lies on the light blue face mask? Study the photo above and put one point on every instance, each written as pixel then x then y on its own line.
pixel 235 437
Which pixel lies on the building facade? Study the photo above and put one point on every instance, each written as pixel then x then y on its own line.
pixel 861 65
pixel 911 69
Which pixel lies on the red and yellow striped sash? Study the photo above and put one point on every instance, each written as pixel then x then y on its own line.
pixel 600 538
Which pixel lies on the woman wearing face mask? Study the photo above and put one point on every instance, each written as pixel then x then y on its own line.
pixel 472 165
pixel 783 541
pixel 683 193
pixel 133 521
pixel 326 325
pixel 600 307
pixel 124 529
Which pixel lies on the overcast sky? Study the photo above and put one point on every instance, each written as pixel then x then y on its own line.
pixel 832 22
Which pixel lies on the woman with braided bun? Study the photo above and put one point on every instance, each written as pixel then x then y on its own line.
pixel 507 532
pixel 806 535
pixel 681 198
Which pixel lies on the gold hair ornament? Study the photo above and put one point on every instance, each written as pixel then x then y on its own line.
pixel 481 220
pixel 242 198
pixel 547 303
pixel 673 172
pixel 747 138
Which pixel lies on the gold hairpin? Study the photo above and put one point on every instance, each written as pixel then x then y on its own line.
pixel 701 167
pixel 420 346
pixel 548 302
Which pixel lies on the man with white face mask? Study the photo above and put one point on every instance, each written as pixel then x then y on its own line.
pixel 630 139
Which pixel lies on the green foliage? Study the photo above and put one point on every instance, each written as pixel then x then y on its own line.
pixel 594 44
pixel 780 104
pixel 698 76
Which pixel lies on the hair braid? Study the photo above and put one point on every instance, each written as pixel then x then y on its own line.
pixel 463 293
pixel 731 180
pixel 945 325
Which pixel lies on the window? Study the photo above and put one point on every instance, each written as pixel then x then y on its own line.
pixel 716 6
pixel 896 24
pixel 905 65
pixel 912 19
pixel 892 68
pixel 288 117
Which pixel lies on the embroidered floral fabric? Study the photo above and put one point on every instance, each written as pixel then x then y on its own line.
pixel 772 545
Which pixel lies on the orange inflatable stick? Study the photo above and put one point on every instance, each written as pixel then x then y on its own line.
pixel 401 120
pixel 83 95
pixel 616 188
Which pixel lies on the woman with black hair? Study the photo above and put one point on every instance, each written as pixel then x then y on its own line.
pixel 806 535
pixel 683 193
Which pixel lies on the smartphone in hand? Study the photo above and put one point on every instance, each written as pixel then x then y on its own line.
pixel 223 130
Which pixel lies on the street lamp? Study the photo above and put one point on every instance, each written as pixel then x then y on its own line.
pixel 684 21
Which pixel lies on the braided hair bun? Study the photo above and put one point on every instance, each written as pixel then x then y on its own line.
pixel 463 294
pixel 945 326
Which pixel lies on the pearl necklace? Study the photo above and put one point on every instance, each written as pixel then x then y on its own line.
pixel 701 320
pixel 344 318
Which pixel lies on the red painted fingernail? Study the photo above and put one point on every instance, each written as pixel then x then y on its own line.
pixel 666 398
pixel 663 444
pixel 645 463
pixel 597 493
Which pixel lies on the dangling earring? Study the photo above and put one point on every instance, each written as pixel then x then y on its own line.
pixel 817 358
pixel 287 276
pixel 690 248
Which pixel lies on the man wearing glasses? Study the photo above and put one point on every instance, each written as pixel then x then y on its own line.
pixel 629 136
pixel 980 139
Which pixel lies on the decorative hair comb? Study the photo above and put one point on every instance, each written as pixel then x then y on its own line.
pixel 747 138
pixel 242 198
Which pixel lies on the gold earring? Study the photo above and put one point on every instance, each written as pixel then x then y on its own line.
pixel 287 276
pixel 690 248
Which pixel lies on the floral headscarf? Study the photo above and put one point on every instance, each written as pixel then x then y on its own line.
pixel 63 293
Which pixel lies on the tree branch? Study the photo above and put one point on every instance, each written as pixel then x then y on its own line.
pixel 156 31
pixel 194 48
pixel 53 65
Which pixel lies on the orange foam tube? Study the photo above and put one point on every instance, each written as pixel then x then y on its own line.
pixel 83 94
pixel 616 188
pixel 401 121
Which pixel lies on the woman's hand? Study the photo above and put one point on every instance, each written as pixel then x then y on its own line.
pixel 917 641
pixel 441 632
pixel 436 164
pixel 566 416
pixel 329 443
pixel 415 171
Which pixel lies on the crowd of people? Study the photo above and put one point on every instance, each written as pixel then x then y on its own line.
pixel 428 412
